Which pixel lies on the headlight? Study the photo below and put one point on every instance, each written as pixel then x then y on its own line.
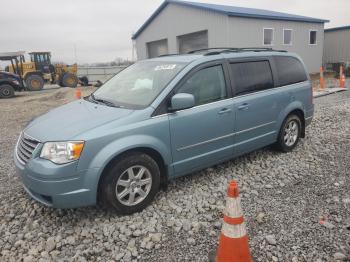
pixel 62 152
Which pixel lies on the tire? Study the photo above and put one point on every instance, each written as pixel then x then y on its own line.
pixel 7 91
pixel 98 83
pixel 117 187
pixel 70 80
pixel 290 133
pixel 84 81
pixel 34 83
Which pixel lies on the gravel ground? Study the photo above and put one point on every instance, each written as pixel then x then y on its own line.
pixel 284 197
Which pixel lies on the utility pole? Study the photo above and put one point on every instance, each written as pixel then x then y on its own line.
pixel 133 55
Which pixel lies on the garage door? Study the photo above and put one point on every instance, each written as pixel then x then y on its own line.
pixel 194 41
pixel 157 48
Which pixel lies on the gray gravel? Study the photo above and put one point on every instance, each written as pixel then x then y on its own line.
pixel 290 201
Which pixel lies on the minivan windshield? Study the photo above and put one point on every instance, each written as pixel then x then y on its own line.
pixel 137 85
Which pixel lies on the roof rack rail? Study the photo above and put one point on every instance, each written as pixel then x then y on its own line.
pixel 260 49
pixel 220 50
pixel 167 55
pixel 208 49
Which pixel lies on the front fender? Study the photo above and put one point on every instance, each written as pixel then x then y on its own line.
pixel 119 146
pixel 110 151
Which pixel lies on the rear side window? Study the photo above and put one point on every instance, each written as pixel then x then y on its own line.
pixel 251 77
pixel 290 70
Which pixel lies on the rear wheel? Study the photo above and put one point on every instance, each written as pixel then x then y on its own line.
pixel 290 133
pixel 6 91
pixel 34 83
pixel 70 80
pixel 131 184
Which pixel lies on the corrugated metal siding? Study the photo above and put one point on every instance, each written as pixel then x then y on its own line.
pixel 337 46
pixel 223 31
pixel 249 32
pixel 176 20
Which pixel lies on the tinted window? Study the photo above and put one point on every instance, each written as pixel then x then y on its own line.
pixel 290 70
pixel 207 85
pixel 250 77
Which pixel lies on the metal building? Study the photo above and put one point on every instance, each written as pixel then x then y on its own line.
pixel 179 27
pixel 337 45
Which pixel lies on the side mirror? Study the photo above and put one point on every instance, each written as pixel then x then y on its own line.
pixel 182 101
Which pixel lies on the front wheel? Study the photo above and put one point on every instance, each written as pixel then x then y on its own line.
pixel 70 80
pixel 34 82
pixel 131 184
pixel 6 91
pixel 290 133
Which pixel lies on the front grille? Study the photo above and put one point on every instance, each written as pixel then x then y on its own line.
pixel 25 148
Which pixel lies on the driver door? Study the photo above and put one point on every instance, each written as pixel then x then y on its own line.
pixel 203 135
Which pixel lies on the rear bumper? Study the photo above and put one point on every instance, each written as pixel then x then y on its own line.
pixel 58 186
pixel 308 120
pixel 309 115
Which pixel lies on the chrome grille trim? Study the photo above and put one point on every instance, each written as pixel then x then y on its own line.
pixel 25 148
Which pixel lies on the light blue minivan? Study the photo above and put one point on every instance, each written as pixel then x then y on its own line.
pixel 160 119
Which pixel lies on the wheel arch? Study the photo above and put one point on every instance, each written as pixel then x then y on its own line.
pixel 10 84
pixel 153 153
pixel 297 109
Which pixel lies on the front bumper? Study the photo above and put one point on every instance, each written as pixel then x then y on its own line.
pixel 58 186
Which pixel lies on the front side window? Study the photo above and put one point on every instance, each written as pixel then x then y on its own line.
pixel 139 84
pixel 250 77
pixel 207 85
pixel 268 36
pixel 313 37
pixel 290 70
pixel 287 37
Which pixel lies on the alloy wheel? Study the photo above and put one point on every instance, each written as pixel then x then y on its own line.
pixel 134 185
pixel 291 133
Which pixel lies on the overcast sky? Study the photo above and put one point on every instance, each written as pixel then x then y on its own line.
pixel 101 30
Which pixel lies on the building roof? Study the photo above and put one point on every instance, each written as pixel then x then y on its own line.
pixel 337 28
pixel 10 55
pixel 232 11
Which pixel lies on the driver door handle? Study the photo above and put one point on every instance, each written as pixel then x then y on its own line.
pixel 225 111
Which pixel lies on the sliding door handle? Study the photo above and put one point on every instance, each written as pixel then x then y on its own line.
pixel 244 106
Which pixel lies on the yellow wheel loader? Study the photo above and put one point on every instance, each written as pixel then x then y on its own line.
pixel 40 70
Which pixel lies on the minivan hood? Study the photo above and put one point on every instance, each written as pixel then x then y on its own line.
pixel 68 121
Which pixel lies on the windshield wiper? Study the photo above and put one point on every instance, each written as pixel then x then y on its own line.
pixel 103 101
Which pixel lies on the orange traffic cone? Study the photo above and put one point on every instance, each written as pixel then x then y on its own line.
pixel 341 77
pixel 343 81
pixel 321 79
pixel 78 93
pixel 233 246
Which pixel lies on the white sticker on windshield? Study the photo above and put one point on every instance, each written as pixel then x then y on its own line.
pixel 165 67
